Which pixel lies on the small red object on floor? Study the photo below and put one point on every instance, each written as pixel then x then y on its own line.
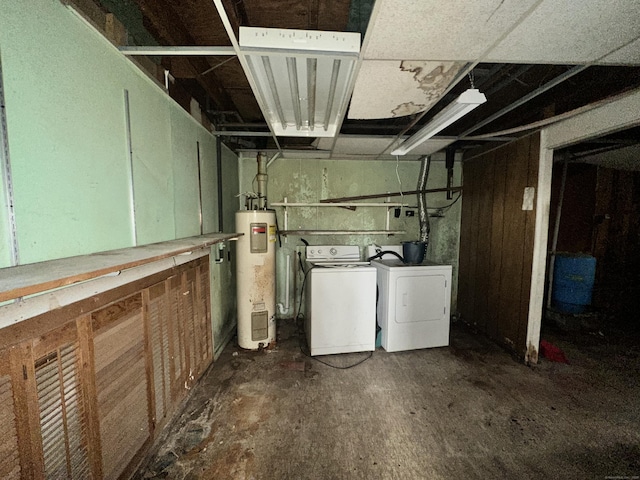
pixel 551 352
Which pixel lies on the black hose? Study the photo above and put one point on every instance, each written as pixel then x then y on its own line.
pixel 381 254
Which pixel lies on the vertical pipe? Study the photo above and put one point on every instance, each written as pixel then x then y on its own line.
pixel 219 182
pixel 422 201
pixel 449 162
pixel 7 181
pixel 262 181
pixel 286 284
pixel 286 216
pixel 556 230
pixel 199 188
pixel 132 192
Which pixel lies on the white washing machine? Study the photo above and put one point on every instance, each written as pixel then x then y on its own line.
pixel 414 303
pixel 340 314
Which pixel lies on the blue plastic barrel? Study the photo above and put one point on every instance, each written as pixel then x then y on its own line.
pixel 573 278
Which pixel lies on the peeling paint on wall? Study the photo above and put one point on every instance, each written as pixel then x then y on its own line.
pixel 305 181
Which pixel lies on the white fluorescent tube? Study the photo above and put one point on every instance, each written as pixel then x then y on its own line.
pixel 266 62
pixel 292 69
pixel 462 105
pixel 312 66
pixel 332 92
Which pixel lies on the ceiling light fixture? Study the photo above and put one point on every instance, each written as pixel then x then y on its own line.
pixel 462 105
pixel 301 78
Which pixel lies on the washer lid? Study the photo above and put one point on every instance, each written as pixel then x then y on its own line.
pixel 337 263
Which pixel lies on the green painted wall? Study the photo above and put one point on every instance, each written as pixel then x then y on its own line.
pixel 313 180
pixel 209 181
pixel 224 274
pixel 153 164
pixel 64 88
pixel 65 114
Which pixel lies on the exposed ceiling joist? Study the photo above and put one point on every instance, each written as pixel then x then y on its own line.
pixel 172 31
pixel 533 85
pixel 185 51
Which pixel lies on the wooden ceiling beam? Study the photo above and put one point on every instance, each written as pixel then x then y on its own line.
pixel 170 29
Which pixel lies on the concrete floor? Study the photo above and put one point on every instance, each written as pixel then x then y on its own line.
pixel 466 411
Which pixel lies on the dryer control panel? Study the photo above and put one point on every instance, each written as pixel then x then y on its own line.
pixel 333 252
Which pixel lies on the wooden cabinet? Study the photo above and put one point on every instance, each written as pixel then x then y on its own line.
pixel 87 397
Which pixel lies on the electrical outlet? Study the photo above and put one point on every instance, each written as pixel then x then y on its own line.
pixel 409 213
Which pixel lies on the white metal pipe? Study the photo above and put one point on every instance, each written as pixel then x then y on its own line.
pixel 273 159
pixel 262 181
pixel 286 214
pixel 284 309
pixel 286 285
pixel 286 304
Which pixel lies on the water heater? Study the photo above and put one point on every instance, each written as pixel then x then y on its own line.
pixel 256 267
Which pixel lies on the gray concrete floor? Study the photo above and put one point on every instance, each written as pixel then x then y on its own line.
pixel 466 411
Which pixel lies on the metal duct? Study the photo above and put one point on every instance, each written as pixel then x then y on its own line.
pixel 261 178
pixel 425 227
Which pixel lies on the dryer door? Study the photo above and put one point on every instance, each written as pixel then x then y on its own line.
pixel 421 298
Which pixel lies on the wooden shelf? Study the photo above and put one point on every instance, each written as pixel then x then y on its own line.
pixel 338 204
pixel 341 232
pixel 22 280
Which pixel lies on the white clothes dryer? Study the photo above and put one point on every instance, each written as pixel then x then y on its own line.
pixel 414 304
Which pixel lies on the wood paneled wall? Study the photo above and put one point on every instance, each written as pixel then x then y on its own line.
pixel 86 389
pixel 496 242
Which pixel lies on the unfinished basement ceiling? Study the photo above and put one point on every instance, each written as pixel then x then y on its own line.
pixel 416 57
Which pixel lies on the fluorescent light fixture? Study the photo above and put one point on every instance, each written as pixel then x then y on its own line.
pixel 302 79
pixel 462 105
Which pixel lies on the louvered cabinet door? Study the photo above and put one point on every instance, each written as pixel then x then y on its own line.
pixel 190 321
pixel 177 347
pixel 59 404
pixel 157 317
pixel 9 451
pixel 121 383
pixel 204 315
